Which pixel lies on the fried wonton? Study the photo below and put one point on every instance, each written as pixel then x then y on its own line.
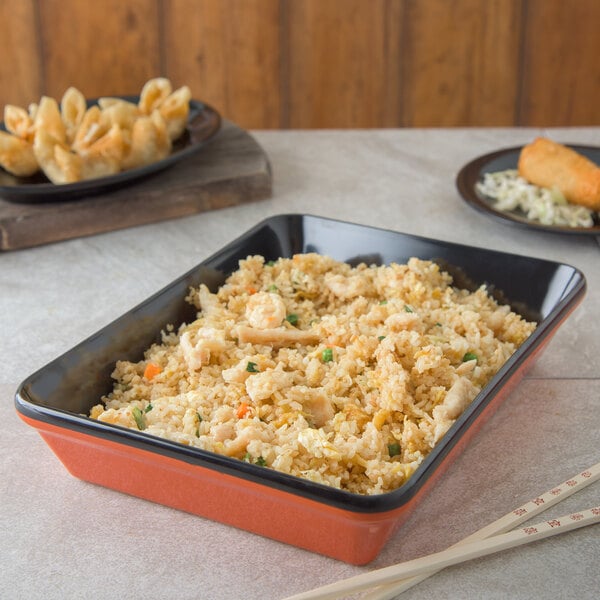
pixel 48 119
pixel 154 92
pixel 121 113
pixel 93 126
pixel 150 141
pixel 175 110
pixel 72 108
pixel 73 142
pixel 55 159
pixel 18 122
pixel 17 156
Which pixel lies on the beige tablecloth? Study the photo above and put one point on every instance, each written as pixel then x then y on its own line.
pixel 63 538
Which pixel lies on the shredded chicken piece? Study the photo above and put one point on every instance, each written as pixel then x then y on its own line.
pixel 223 431
pixel 239 444
pixel 262 385
pixel 457 399
pixel 279 336
pixel 208 341
pixel 316 403
pixel 404 320
pixel 208 301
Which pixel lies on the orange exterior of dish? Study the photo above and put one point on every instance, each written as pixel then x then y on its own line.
pixel 346 535
pixel 343 526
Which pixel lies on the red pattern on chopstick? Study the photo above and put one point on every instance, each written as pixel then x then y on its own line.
pixel 508 522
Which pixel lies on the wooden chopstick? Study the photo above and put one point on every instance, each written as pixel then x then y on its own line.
pixel 506 523
pixel 453 556
pixel 486 541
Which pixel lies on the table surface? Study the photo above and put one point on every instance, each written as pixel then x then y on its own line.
pixel 65 538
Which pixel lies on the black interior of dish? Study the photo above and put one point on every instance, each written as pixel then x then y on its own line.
pixel 63 391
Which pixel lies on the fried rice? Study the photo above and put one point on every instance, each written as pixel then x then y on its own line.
pixel 345 376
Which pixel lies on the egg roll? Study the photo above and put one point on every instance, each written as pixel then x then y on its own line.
pixel 548 164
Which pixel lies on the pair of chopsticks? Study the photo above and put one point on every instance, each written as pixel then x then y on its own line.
pixel 391 581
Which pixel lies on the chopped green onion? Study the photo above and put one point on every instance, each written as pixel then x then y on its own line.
pixel 327 355
pixel 251 367
pixel 273 288
pixel 394 449
pixel 407 308
pixel 292 319
pixel 270 263
pixel 382 302
pixel 260 461
pixel 381 337
pixel 139 418
pixel 148 408
pixel 438 324
pixel 469 356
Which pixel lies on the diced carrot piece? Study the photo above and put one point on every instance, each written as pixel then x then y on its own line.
pixel 242 410
pixel 151 371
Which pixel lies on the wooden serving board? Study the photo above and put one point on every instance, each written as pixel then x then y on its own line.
pixel 231 170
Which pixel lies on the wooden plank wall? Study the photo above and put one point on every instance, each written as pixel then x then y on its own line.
pixel 319 63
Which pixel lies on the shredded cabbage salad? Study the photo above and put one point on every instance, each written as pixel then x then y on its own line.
pixel 546 206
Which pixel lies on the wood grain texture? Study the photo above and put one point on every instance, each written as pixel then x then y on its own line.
pixel 337 63
pixel 394 36
pixel 233 169
pixel 319 64
pixel 228 53
pixel 461 62
pixel 102 48
pixel 561 63
pixel 20 73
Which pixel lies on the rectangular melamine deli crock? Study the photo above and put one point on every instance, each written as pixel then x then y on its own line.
pixel 350 527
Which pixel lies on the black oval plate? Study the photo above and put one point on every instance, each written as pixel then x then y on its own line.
pixel 473 172
pixel 203 124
